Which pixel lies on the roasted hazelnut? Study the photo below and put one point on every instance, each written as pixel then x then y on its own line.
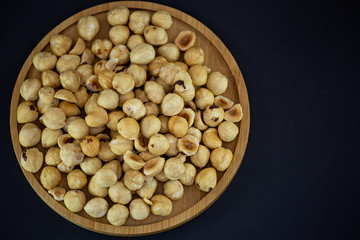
pixel 68 121
pixel 64 168
pixel 155 36
pixel 118 15
pixel 50 177
pixel 185 40
pixel 203 98
pixel 188 177
pixel 115 166
pixel 143 53
pixel 105 79
pixel 134 108
pixel 198 122
pixel 128 128
pixel 97 118
pixel 198 75
pixel 78 128
pixel 138 21
pixel 113 134
pixel 96 207
pixel 217 83
pixel 112 64
pixel 173 189
pixel 76 179
pixel 43 107
pixel 43 61
pixel 67 62
pixel 154 166
pixel 213 115
pixel 178 126
pixel 190 104
pixel 154 91
pixel 189 115
pixel 134 40
pixel 223 102
pixel 211 138
pixel 64 139
pixel 148 189
pixel 90 165
pixel 101 48
pixel 71 154
pixel 164 124
pixel 50 78
pixel 183 66
pixel 102 136
pixel 117 214
pixel 168 71
pixel 88 27
pixel 78 47
pixel 195 132
pixel 201 157
pixel 155 65
pixel 173 150
pixel 91 103
pixel 141 143
pixel 81 96
pixel 181 157
pixel 161 177
pixel 26 112
pixel 52 156
pixel 60 44
pixel 194 56
pixel 119 193
pixel 87 56
pixel 139 210
pixel 119 145
pixel 133 160
pixel 137 73
pixel 29 135
pixel 234 114
pixel 64 94
pixel 188 145
pixel 32 160
pixel 123 82
pixel 152 109
pixel 162 206
pixel 150 125
pixel 96 190
pixel 121 52
pixel 125 167
pixel 146 155
pixel 100 67
pixel 70 109
pixel 162 19
pixel 172 104
pixel 228 131
pixel 124 97
pixel 108 99
pixel 114 118
pixel 90 146
pixel 49 137
pixel 188 95
pixel 134 180
pixel 105 177
pixel 29 89
pixel 206 179
pixel 169 51
pixel 221 158
pixel 140 94
pixel 174 168
pixel 75 200
pixel 58 193
pixel 158 144
pixel 46 94
pixel 119 34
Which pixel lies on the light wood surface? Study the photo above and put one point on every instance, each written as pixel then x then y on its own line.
pixel 217 57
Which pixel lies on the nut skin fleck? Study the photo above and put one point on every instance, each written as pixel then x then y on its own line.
pixel 24 156
pixel 214 106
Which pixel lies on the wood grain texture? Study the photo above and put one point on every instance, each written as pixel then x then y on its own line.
pixel 217 57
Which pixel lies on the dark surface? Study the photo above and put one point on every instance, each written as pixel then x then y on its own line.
pixel 300 174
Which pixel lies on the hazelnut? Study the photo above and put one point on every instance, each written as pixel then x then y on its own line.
pixel 46 94
pixel 213 115
pixel 105 177
pixel 146 155
pixel 64 168
pixel 188 145
pixel 87 56
pixel 133 160
pixel 188 177
pixel 164 124
pixel 78 128
pixel 198 75
pixel 182 65
pixel 217 83
pixel 138 74
pixel 43 107
pixel 128 128
pixel 155 65
pixel 76 179
pixel 203 98
pixel 90 165
pixel 201 157
pixel 32 160
pixel 101 48
pixel 123 82
pixel 141 143
pixel 78 47
pixel 198 122
pixel 115 166
pixel 190 104
pixel 117 214
pixel 185 40
pixel 195 132
pixel 49 137
pixel 96 190
pixel 29 89
pixel 29 135
pixel 140 94
pixel 118 15
pixel 158 144
pixel 181 157
pixel 70 109
pixel 118 193
pixel 161 177
pixel 121 52
pixel 52 156
pixel 112 64
pixel 188 95
pixel 119 145
pixel 134 180
pixel 26 112
pixel 125 167
pixel 148 189
pixel 234 114
pixel 206 179
pixel 150 125
pixel 174 168
pixel 60 44
pixel 169 51
pixel 221 158
pixel 43 61
pixel 64 139
pixel 152 108
pixel 88 27
pixel 172 104
pixel 97 118
pixel 138 21
pixel 108 99
pixel 58 193
pixel 75 200
pixel 124 97
pixel 173 150
pixel 139 210
pixel 96 207
pixel 91 103
pixel 178 126
pixel 211 138
pixel 102 136
pixel 155 36
pixel 50 177
pixel 105 79
pixel 189 115
pixel 114 118
pixel 223 102
pixel 134 40
pixel 67 62
pixel 194 56
pixel 100 67
pixel 162 19
pixel 81 96
pixel 162 206
pixel 90 146
pixel 154 91
pixel 71 154
pixel 228 131
pixel 143 53
pixel 154 166
pixel 50 78
pixel 119 34
pixel 173 189
pixel 134 108
pixel 65 95
pixel 168 71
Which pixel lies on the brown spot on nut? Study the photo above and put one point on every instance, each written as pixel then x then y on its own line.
pixel 213 106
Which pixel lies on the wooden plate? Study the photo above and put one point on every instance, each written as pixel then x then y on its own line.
pixel 217 57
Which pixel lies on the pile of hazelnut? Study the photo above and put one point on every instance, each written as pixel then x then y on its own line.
pixel 118 115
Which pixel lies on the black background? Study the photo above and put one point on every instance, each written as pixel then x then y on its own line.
pixel 300 174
